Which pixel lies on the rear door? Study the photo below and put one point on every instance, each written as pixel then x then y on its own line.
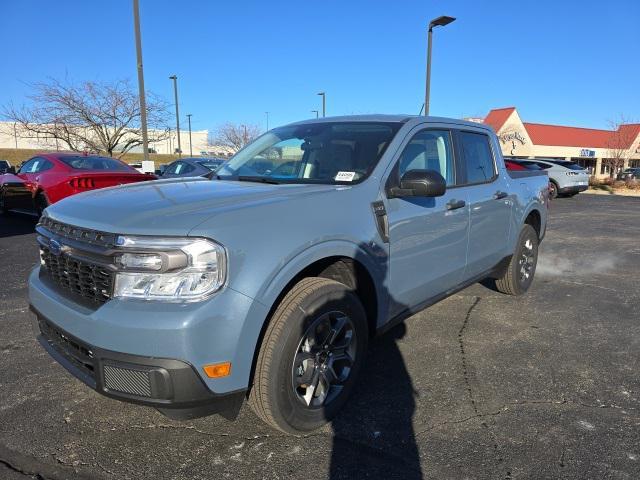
pixel 427 236
pixel 489 202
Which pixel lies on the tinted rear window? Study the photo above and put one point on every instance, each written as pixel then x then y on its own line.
pixel 95 163
pixel 4 164
pixel 569 165
pixel 477 157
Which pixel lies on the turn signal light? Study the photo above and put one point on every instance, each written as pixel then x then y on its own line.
pixel 217 370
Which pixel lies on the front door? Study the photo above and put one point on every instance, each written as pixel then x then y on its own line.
pixel 427 236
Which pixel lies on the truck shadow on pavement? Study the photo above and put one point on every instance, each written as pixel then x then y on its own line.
pixel 374 435
pixel 16 224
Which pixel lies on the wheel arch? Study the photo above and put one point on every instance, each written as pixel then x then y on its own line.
pixel 345 262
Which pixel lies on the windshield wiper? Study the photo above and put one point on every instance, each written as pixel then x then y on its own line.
pixel 255 178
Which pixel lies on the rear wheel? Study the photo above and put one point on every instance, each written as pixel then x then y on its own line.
pixel 310 356
pixel 553 190
pixel 518 276
pixel 41 203
pixel 3 209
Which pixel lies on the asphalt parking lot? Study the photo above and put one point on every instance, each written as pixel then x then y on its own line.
pixel 481 385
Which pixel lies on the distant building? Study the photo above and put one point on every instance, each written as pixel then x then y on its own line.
pixel 586 146
pixel 11 136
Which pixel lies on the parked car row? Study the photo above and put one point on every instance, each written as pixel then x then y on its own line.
pixel 565 178
pixel 48 178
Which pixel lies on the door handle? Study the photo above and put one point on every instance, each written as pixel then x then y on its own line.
pixel 455 204
pixel 499 195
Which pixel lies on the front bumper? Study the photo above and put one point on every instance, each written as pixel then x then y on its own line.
pixel 172 386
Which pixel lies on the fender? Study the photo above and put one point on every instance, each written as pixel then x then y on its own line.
pixel 372 256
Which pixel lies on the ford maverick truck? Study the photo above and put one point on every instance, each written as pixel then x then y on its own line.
pixel 266 281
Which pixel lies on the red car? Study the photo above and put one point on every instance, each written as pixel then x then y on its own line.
pixel 50 177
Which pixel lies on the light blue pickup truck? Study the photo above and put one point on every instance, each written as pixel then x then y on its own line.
pixel 267 280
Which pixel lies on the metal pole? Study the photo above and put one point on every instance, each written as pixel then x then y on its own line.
pixel 324 105
pixel 316 112
pixel 15 134
pixel 143 103
pixel 428 87
pixel 175 92
pixel 267 120
pixel 190 144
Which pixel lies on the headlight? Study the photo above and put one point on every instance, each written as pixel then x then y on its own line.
pixel 169 269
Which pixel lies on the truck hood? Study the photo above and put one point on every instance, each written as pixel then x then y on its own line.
pixel 170 207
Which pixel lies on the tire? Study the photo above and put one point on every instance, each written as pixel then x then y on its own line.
pixel 553 190
pixel 292 359
pixel 518 275
pixel 3 211
pixel 40 203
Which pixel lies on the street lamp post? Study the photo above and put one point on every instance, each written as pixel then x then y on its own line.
pixel 143 103
pixel 316 112
pixel 175 92
pixel 190 143
pixel 267 114
pixel 324 103
pixel 436 22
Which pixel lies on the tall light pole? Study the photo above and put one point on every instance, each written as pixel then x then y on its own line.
pixel 143 103
pixel 190 143
pixel 175 92
pixel 267 114
pixel 324 103
pixel 316 112
pixel 436 22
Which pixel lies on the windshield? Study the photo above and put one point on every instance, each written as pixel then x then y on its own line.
pixel 95 163
pixel 331 153
pixel 210 164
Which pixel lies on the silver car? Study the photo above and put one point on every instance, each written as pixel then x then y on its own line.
pixel 565 178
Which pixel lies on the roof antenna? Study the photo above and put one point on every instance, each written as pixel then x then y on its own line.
pixel 421 109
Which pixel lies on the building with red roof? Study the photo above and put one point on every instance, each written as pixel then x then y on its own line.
pixel 589 147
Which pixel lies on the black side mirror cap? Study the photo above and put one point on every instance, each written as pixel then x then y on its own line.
pixel 420 183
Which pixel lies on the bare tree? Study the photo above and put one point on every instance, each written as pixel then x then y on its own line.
pixel 99 117
pixel 619 143
pixel 236 136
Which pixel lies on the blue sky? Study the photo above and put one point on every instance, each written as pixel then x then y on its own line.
pixel 564 62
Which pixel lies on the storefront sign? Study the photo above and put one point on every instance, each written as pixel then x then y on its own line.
pixel 585 152
pixel 512 137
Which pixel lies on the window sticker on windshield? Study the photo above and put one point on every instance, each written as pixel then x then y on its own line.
pixel 345 176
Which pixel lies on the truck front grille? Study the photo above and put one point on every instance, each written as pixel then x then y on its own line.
pixel 90 281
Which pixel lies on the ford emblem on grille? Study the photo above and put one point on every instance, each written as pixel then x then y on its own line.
pixel 54 247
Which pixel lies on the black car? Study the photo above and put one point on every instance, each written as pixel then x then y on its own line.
pixel 192 167
pixel 630 174
pixel 5 167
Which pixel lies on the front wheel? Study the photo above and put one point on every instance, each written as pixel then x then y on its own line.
pixel 310 357
pixel 518 276
pixel 553 190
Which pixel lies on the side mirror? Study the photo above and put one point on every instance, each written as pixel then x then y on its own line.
pixel 11 169
pixel 420 183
